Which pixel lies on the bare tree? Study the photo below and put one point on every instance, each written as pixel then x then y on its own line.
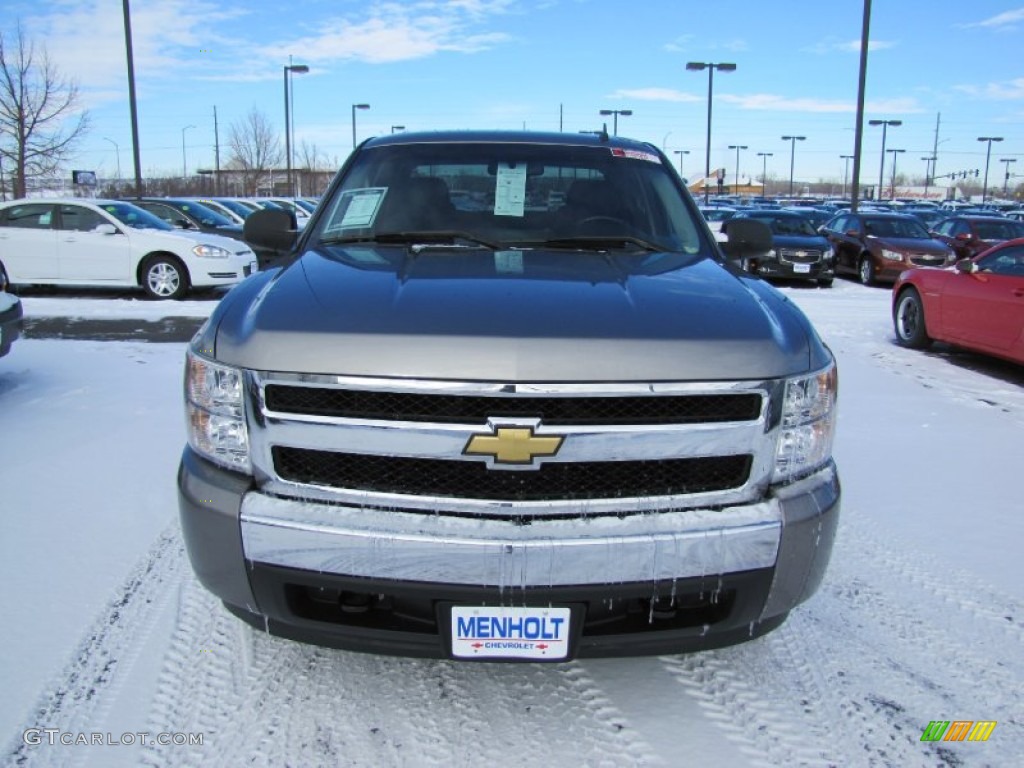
pixel 255 149
pixel 40 121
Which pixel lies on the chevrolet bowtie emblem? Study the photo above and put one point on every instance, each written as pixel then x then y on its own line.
pixel 513 445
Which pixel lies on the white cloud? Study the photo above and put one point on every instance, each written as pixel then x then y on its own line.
pixel 847 46
pixel 1007 90
pixel 653 94
pixel 399 32
pixel 1005 19
pixel 775 103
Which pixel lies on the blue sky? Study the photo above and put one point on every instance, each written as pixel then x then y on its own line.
pixel 550 64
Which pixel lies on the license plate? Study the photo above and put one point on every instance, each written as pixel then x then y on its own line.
pixel 509 632
pixel 801 269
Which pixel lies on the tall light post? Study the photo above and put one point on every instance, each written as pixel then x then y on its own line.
pixel 395 128
pixel 881 168
pixel 792 157
pixel 846 170
pixel 354 108
pixel 682 153
pixel 988 155
pixel 615 119
pixel 892 179
pixel 764 170
pixel 289 70
pixel 184 165
pixel 928 172
pixel 1006 178
pixel 698 66
pixel 737 147
pixel 117 151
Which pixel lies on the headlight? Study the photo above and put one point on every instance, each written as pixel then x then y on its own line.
pixel 211 252
pixel 892 255
pixel 771 254
pixel 807 425
pixel 215 413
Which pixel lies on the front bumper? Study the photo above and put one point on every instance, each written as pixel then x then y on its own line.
pixel 375 580
pixel 790 270
pixel 207 273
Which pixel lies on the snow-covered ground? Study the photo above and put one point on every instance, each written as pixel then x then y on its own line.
pixel 106 632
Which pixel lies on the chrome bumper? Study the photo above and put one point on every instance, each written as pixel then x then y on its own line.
pixel 374 543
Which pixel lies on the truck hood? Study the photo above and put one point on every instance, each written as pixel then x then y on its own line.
pixel 541 316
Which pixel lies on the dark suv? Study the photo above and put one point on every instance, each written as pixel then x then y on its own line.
pixel 876 246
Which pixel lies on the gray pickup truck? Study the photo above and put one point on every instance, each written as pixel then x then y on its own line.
pixel 509 400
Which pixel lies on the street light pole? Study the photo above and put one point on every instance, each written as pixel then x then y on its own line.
pixel 354 108
pixel 928 172
pixel 184 165
pixel 289 69
pixel 892 179
pixel 846 170
pixel 737 147
pixel 681 152
pixel 697 66
pixel 1006 179
pixel 117 151
pixel 792 157
pixel 615 119
pixel 988 155
pixel 881 168
pixel 764 171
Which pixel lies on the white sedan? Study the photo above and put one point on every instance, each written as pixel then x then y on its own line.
pixel 112 243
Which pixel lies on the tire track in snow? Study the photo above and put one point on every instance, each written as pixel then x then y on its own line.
pixel 76 702
pixel 764 699
pixel 261 700
pixel 908 654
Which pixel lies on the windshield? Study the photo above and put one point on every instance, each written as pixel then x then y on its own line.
pixel 789 225
pixel 908 228
pixel 135 217
pixel 999 230
pixel 514 195
pixel 208 216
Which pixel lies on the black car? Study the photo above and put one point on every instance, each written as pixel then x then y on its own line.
pixel 183 213
pixel 797 251
pixel 10 316
pixel 189 214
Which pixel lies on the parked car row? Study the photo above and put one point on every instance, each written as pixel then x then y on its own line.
pixel 113 243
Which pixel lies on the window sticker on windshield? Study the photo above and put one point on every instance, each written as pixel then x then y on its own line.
pixel 635 154
pixel 358 207
pixel 510 190
pixel 508 262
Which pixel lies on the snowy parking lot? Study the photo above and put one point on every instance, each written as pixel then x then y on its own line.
pixel 109 638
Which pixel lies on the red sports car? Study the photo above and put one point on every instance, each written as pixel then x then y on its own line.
pixel 978 304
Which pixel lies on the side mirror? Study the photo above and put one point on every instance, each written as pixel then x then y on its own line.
pixel 746 238
pixel 183 224
pixel 272 229
pixel 105 229
pixel 966 266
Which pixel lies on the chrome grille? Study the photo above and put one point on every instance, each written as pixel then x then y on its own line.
pixel 401 444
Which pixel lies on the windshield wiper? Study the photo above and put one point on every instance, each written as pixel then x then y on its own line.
pixel 447 238
pixel 600 243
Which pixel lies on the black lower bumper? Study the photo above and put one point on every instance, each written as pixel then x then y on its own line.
pixel 411 618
